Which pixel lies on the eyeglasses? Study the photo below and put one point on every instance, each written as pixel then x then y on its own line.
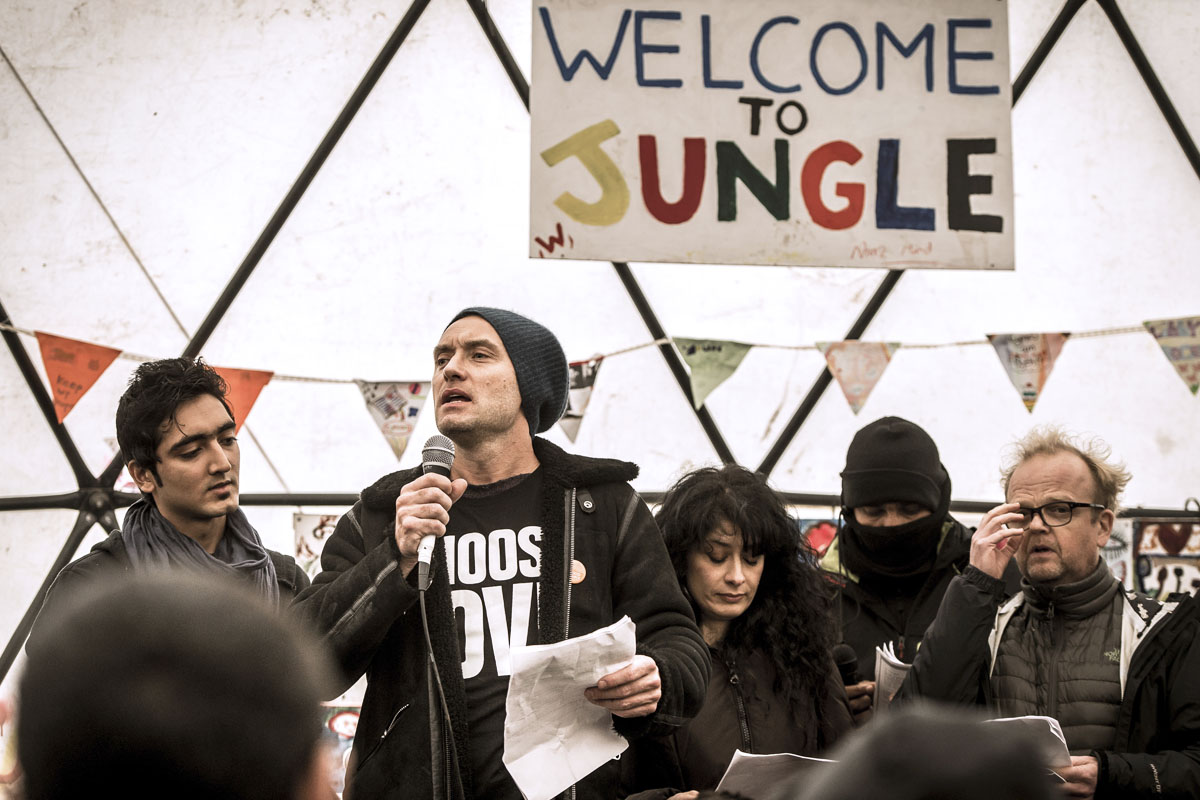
pixel 1054 514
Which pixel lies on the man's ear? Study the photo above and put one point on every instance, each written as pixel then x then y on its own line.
pixel 1105 520
pixel 142 477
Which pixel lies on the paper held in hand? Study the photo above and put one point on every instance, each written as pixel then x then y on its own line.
pixel 751 775
pixel 1046 734
pixel 553 736
pixel 890 672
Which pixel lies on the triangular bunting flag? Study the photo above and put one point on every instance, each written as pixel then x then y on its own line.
pixel 72 367
pixel 244 388
pixel 857 366
pixel 395 406
pixel 1028 359
pixel 583 377
pixel 1180 343
pixel 711 362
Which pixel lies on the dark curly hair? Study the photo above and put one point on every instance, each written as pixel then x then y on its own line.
pixel 155 391
pixel 790 619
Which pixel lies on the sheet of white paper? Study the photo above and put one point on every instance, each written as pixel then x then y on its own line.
pixel 754 775
pixel 1046 734
pixel 890 673
pixel 553 736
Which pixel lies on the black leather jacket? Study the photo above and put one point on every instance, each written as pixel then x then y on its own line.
pixel 361 605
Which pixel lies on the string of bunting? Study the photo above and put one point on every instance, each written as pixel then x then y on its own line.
pixel 73 367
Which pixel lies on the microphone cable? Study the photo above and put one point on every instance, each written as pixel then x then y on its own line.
pixel 450 747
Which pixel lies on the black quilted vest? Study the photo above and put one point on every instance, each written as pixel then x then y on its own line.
pixel 1060 656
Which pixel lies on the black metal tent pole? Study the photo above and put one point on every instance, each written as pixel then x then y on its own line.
pixel 671 356
pixel 826 377
pixel 1165 106
pixel 90 500
pixel 83 523
pixel 292 198
pixel 83 476
pixel 834 501
pixel 1038 56
pixel 624 273
pixel 100 498
pixel 889 281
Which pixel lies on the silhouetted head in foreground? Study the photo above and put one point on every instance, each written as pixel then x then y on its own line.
pixel 931 754
pixel 172 686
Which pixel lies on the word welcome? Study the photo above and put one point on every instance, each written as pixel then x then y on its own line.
pixel 836 39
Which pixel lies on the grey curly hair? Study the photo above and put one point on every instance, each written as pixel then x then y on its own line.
pixel 1109 476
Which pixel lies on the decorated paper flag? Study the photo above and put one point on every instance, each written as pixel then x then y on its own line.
pixel 857 366
pixel 1028 359
pixel 711 363
pixel 312 531
pixel 583 376
pixel 72 367
pixel 244 387
pixel 1180 343
pixel 395 406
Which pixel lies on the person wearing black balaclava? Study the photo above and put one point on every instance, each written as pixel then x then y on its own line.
pixel 897 549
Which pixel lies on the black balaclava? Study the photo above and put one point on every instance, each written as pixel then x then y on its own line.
pixel 893 460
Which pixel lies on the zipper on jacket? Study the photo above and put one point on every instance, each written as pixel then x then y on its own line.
pixel 1057 634
pixel 383 736
pixel 449 766
pixel 743 722
pixel 392 724
pixel 569 560
pixel 569 534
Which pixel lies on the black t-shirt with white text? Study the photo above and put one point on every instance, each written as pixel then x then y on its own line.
pixel 493 556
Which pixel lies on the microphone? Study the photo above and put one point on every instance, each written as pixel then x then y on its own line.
pixel 847 664
pixel 437 457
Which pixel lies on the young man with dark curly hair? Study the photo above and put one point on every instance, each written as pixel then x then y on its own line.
pixel 177 434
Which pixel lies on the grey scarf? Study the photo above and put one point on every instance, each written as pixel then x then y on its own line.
pixel 151 541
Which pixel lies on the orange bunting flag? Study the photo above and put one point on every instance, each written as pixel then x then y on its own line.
pixel 72 368
pixel 583 378
pixel 1180 343
pixel 857 366
pixel 244 388
pixel 1028 359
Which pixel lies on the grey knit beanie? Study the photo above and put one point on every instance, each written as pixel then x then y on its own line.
pixel 538 359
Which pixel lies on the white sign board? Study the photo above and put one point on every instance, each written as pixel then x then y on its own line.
pixel 848 133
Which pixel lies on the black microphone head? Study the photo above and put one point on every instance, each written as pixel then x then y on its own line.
pixel 847 663
pixel 438 455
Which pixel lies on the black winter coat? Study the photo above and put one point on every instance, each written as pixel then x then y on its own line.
pixel 1157 743
pixel 362 605
pixel 742 711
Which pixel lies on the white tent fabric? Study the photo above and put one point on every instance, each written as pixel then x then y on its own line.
pixel 145 144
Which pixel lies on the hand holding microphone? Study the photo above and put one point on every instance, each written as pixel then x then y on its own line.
pixel 859 693
pixel 423 507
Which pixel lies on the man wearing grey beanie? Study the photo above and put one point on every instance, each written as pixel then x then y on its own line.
pixel 534 545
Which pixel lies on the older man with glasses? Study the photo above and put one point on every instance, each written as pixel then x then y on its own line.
pixel 1120 671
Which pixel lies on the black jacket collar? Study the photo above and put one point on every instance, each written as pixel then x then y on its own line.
pixel 559 467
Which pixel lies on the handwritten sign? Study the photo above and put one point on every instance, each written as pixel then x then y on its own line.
pixel 846 132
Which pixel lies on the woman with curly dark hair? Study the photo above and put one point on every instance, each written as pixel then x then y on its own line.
pixel 765 611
